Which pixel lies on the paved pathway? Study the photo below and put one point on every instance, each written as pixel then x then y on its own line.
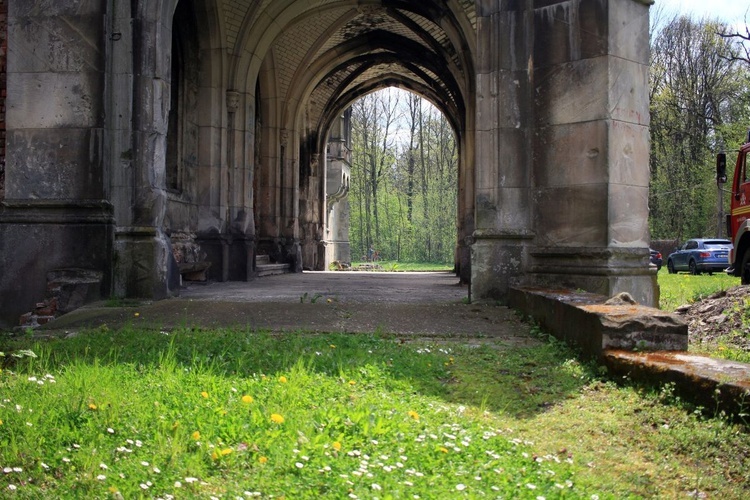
pixel 351 287
pixel 423 304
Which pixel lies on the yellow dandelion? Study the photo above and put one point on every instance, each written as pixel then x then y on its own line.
pixel 276 418
pixel 329 300
pixel 413 414
pixel 282 379
pixel 263 460
pixel 215 455
pixel 112 489
pixel 333 346
pixel 196 435
pixel 204 394
pixel 226 451
pixel 247 399
pixel 137 314
pixel 92 406
pixel 175 425
pixel 337 446
pixel 352 382
pixel 443 450
pixel 1 422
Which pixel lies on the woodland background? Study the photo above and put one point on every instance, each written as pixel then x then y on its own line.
pixel 404 155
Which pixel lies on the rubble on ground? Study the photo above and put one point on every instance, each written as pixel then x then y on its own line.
pixel 722 318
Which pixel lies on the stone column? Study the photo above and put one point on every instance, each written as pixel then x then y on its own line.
pixel 503 117
pixel 591 147
pixel 143 250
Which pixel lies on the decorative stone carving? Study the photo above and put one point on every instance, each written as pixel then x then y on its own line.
pixel 233 101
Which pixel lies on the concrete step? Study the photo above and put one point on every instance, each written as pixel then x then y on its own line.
pixel 262 260
pixel 271 269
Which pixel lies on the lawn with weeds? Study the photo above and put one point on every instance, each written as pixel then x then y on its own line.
pixel 194 413
pixel 678 289
pixel 400 266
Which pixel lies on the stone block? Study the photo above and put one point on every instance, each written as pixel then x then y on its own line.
pixel 564 93
pixel 572 154
pixel 42 165
pixel 628 86
pixel 54 100
pixel 56 44
pixel 628 215
pixel 628 153
pixel 72 288
pixel 501 41
pixel 502 209
pixel 584 320
pixel 575 215
pixel 628 24
pixel 497 262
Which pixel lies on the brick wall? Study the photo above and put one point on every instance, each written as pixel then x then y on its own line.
pixel 3 80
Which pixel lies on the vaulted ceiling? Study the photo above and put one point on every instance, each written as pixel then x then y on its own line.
pixel 327 53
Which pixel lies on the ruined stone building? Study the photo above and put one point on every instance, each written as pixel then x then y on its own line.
pixel 132 125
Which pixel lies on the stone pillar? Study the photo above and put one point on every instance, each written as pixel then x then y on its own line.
pixel 591 147
pixel 502 192
pixel 562 148
pixel 338 175
pixel 54 213
pixel 143 249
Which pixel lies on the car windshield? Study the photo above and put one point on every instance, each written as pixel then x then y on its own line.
pixel 716 243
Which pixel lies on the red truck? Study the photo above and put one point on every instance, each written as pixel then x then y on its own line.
pixel 738 220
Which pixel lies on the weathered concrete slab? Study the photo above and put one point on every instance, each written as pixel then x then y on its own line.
pixel 583 319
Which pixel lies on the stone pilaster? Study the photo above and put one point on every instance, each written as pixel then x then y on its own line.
pixel 590 148
pixel 502 180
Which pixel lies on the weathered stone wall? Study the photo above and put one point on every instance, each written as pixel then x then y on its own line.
pixel 3 88
pixel 53 214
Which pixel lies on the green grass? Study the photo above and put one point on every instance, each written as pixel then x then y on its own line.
pixel 394 265
pixel 138 414
pixel 678 289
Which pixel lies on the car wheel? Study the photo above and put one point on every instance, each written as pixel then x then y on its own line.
pixel 745 269
pixel 670 267
pixel 693 268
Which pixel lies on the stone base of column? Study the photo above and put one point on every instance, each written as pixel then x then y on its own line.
pixel 497 263
pixel 463 263
pixel 603 270
pixel 144 265
pixel 38 236
pixel 232 257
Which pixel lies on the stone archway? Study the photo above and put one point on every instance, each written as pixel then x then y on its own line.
pixel 548 99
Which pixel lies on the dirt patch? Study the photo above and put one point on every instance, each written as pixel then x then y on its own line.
pixel 723 317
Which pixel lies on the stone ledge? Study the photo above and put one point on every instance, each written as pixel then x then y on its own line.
pixel 584 320
pixel 715 384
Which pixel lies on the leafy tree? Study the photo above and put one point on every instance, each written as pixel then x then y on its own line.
pixel 699 96
pixel 404 179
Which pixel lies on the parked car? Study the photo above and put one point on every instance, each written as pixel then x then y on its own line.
pixel 655 259
pixel 700 255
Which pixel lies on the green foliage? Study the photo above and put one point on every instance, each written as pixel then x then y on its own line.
pixel 699 106
pixel 403 194
pixel 679 289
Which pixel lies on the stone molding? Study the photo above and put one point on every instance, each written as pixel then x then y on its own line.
pixel 56 212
